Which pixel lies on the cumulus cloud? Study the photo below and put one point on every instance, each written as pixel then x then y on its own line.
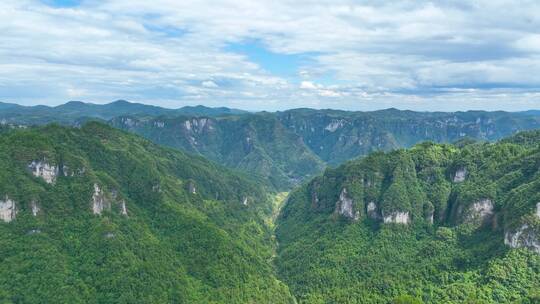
pixel 209 84
pixel 362 54
pixel 308 85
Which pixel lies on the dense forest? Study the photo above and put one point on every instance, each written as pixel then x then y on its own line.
pixel 96 215
pixel 93 214
pixel 431 224
pixel 285 148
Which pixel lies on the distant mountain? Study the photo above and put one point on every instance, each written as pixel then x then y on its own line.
pixel 4 106
pixel 206 111
pixel 283 147
pixel 431 224
pixel 288 147
pixel 531 112
pixel 97 215
pixel 337 136
pixel 75 112
pixel 255 143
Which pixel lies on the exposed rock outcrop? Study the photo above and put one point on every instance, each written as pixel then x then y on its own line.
pixel 344 206
pixel 191 188
pixel 8 210
pixel 198 125
pixel 44 170
pixel 538 210
pixel 245 201
pixel 99 200
pixel 34 207
pixel 524 237
pixel 397 217
pixel 479 212
pixel 429 217
pixel 334 125
pixel 123 208
pixel 460 175
pixel 371 210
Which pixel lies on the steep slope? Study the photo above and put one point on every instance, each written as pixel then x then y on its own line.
pixel 337 136
pixel 284 148
pixel 257 143
pixel 434 222
pixel 96 215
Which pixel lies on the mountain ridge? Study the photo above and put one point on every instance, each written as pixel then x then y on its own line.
pixel 435 222
pixel 98 215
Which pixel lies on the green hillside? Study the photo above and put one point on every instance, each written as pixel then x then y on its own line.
pixel 431 224
pixel 283 148
pixel 256 143
pixel 338 136
pixel 96 215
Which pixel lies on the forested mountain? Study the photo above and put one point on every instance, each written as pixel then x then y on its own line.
pixel 76 112
pixel 97 215
pixel 337 136
pixel 93 214
pixel 256 143
pixel 432 224
pixel 287 147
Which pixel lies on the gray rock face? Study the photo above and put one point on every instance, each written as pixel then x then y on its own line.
pixel 480 211
pixel 34 207
pixel 192 189
pixel 8 210
pixel 334 125
pixel 460 175
pixel 429 217
pixel 99 201
pixel 44 170
pixel 123 208
pixel 538 210
pixel 524 237
pixel 344 206
pixel 198 125
pixel 397 217
pixel 245 201
pixel 371 210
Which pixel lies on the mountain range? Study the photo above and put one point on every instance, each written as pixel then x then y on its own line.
pixel 284 148
pixel 96 215
pixel 130 203
pixel 435 224
pixel 76 111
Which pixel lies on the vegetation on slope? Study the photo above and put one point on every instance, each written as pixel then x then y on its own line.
pixel 462 205
pixel 194 232
pixel 258 144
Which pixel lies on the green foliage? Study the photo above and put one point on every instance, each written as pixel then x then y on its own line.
pixel 257 143
pixel 406 300
pixel 460 258
pixel 174 245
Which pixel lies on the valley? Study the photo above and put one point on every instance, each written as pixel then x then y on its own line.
pixel 301 206
pixel 269 152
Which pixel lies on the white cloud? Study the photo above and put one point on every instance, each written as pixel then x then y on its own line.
pixel 308 85
pixel 370 54
pixel 529 43
pixel 209 84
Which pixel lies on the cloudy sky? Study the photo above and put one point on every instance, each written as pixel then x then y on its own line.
pixel 271 55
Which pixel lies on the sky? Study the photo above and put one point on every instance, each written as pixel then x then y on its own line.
pixel 272 55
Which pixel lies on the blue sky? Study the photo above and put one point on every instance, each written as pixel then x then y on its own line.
pixel 283 65
pixel 273 55
pixel 62 3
